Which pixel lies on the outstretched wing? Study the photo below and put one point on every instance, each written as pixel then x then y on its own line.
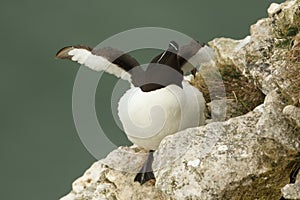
pixel 192 55
pixel 106 59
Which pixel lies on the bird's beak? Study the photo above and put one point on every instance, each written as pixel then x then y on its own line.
pixel 64 53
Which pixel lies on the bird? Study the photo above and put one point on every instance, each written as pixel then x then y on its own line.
pixel 160 101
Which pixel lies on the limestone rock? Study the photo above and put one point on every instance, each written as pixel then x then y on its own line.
pixel 112 179
pixel 232 159
pixel 293 113
pixel 268 56
pixel 291 191
pixel 273 9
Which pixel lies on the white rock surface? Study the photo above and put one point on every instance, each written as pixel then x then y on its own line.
pixel 291 191
pixel 273 9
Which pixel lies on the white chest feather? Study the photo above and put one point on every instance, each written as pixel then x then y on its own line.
pixel 148 117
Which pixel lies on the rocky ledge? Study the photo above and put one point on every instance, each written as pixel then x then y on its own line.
pixel 254 154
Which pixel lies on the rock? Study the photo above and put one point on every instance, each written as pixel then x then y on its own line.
pixel 231 52
pixel 216 109
pixel 234 94
pixel 249 156
pixel 222 160
pixel 236 157
pixel 292 113
pixel 273 9
pixel 266 57
pixel 112 179
pixel 291 191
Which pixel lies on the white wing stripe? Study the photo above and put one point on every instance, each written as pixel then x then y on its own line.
pixel 98 63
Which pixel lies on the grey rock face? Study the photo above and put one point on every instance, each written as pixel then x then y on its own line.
pixel 224 160
pixel 246 157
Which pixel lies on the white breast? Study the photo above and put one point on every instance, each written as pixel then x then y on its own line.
pixel 148 117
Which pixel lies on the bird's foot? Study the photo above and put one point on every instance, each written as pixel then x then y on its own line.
pixel 146 172
pixel 144 177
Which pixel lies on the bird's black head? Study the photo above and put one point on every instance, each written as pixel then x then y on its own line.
pixel 162 71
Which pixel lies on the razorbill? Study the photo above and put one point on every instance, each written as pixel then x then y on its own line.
pixel 160 101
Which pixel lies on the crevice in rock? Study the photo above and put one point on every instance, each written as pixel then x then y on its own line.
pixel 242 95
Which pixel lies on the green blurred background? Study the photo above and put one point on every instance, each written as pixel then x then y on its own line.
pixel 41 153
